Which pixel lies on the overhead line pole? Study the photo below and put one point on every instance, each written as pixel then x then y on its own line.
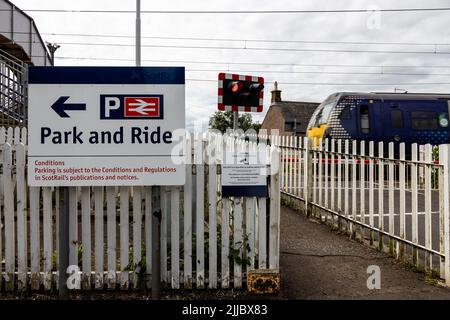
pixel 138 33
pixel 156 190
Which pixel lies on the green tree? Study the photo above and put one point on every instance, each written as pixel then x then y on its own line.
pixel 224 120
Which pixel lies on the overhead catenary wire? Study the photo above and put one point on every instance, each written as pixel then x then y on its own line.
pixel 337 83
pixel 123 36
pixel 290 11
pixel 247 48
pixel 257 63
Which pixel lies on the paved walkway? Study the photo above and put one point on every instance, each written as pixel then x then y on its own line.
pixel 317 263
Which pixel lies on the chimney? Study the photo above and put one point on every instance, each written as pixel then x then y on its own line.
pixel 276 94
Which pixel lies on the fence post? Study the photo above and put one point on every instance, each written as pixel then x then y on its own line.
pixel 444 157
pixel 307 176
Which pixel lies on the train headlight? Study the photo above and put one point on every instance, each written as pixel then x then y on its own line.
pixel 443 121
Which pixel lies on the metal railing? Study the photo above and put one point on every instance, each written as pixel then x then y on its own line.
pixel 398 203
pixel 13 91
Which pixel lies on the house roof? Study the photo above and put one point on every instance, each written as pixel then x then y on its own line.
pixel 297 111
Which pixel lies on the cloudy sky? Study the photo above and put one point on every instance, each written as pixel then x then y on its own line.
pixel 303 52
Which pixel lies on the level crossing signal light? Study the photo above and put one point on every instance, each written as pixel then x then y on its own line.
pixel 240 93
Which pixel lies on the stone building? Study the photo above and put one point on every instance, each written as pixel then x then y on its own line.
pixel 289 117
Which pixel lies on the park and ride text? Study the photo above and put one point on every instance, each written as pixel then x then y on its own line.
pixel 136 135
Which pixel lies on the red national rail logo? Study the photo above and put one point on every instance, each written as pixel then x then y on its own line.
pixel 142 107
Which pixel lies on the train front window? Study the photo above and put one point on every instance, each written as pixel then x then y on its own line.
pixel 322 115
pixel 364 118
pixel 424 120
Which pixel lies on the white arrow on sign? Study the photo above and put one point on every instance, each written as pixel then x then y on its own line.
pixel 141 106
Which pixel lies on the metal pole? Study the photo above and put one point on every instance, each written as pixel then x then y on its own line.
pixel 138 33
pixel 156 242
pixel 235 120
pixel 156 190
pixel 63 239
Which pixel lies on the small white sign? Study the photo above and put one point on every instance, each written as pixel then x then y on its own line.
pixel 244 174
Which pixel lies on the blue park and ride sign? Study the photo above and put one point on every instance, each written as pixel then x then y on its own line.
pixel 100 126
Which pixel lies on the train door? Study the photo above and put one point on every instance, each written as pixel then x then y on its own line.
pixel 396 122
pixel 365 118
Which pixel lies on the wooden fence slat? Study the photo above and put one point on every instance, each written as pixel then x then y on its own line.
pixel 35 248
pixel 22 218
pixel 111 235
pixel 8 211
pixel 137 233
pixel 148 233
pixel 48 236
pixel 250 204
pixel 10 135
pixel 73 226
pixel 187 237
pixel 274 240
pixel 262 233
pixel 99 240
pixel 237 241
pixel 175 237
pixel 225 243
pixel 165 205
pixel 124 236
pixel 200 214
pixel 212 228
pixel 86 236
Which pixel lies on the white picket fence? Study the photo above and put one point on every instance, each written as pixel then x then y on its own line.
pixel 400 204
pixel 206 241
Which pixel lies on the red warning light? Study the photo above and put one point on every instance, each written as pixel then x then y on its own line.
pixel 235 86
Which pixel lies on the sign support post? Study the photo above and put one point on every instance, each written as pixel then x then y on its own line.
pixel 156 242
pixel 63 240
pixel 156 190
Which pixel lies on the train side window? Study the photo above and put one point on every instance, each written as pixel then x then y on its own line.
pixel 424 120
pixel 397 119
pixel 346 113
pixel 364 118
